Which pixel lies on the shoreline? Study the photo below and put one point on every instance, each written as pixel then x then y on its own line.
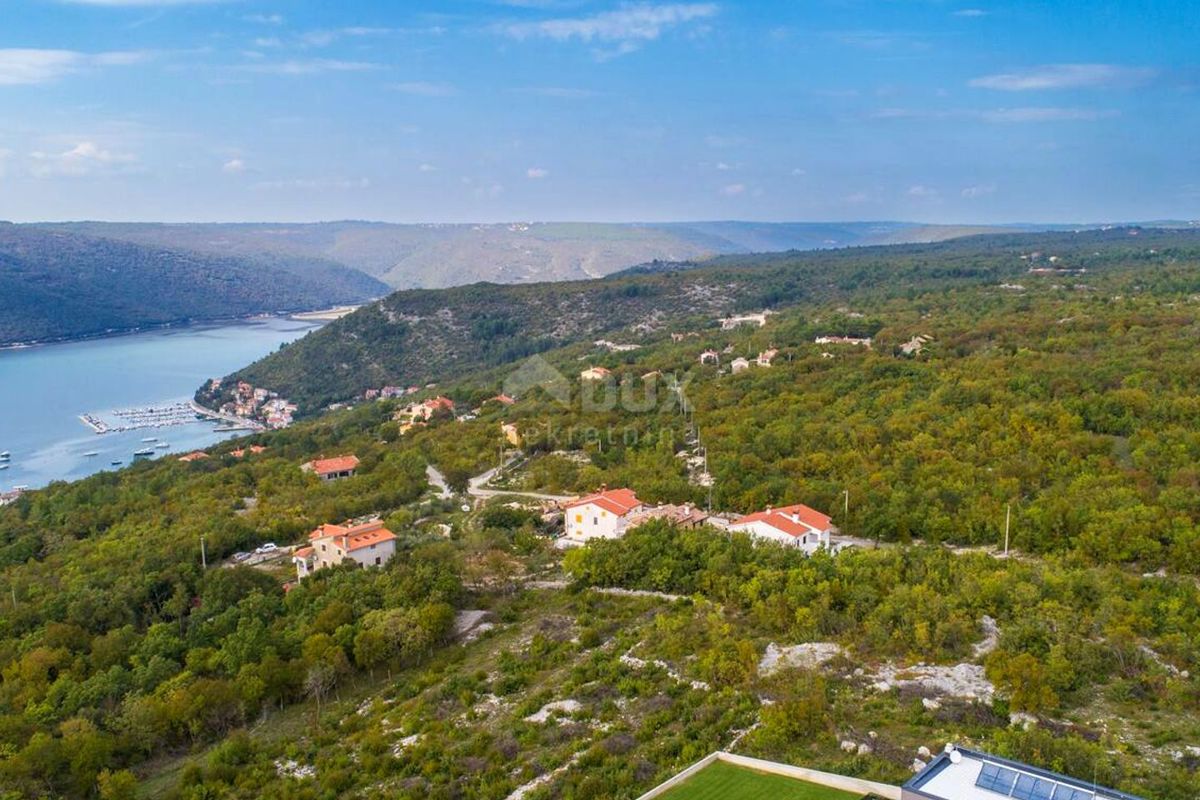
pixel 118 332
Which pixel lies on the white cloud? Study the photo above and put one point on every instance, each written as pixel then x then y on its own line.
pixel 1065 76
pixel 535 173
pixel 267 41
pixel 798 172
pixel 234 166
pixel 626 28
pixel 923 192
pixel 264 19
pixel 1046 114
pixel 722 166
pixel 971 192
pixel 85 158
pixel 310 66
pixel 29 66
pixel 970 12
pixel 427 168
pixel 426 89
pixel 733 189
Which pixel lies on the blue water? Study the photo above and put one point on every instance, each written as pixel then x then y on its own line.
pixel 44 389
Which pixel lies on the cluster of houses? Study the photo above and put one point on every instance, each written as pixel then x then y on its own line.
pixel 419 413
pixel 10 497
pixel 255 402
pixel 332 469
pixel 758 320
pixel 609 513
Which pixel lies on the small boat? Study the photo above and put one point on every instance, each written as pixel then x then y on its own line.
pixel 145 451
pixel 150 439
pixel 5 456
pixel 3 466
pixel 163 445
pixel 116 463
pixel 91 453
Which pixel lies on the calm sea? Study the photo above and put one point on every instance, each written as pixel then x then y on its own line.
pixel 43 390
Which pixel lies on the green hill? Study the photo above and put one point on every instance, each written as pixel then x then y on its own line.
pixel 414 337
pixel 57 285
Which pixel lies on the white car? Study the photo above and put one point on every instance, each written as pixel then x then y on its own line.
pixel 269 547
pixel 240 556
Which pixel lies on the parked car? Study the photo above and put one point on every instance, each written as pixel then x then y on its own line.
pixel 240 556
pixel 269 547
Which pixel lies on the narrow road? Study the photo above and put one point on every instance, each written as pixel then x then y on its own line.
pixel 438 481
pixel 475 486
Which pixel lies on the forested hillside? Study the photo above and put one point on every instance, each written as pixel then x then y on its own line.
pixel 56 285
pixel 438 256
pixel 1068 395
pixel 413 337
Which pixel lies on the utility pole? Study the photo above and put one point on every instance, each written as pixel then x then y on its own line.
pixel 203 555
pixel 1007 520
pixel 846 507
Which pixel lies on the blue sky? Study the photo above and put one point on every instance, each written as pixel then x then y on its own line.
pixel 928 110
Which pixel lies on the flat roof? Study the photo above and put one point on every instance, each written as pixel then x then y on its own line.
pixel 979 776
pixel 724 781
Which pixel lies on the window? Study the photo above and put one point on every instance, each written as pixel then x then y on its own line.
pixel 377 561
pixel 604 513
pixel 1064 792
pixel 595 521
pixel 579 519
pixel 1031 788
pixel 996 778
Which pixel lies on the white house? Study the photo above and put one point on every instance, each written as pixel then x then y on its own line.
pixel 766 357
pixel 739 364
pixel 731 322
pixel 367 544
pixel 861 341
pixel 797 526
pixel 710 357
pixel 603 515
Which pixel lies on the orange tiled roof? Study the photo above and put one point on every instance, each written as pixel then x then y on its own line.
pixel 618 501
pixel 794 520
pixel 324 466
pixel 354 536
pixel 303 552
pixel 195 455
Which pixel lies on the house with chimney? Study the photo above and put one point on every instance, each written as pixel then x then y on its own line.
pixel 795 526
pixel 367 544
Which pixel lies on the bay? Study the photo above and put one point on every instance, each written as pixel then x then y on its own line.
pixel 44 389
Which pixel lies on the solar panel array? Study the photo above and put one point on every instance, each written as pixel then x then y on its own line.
pixel 1024 786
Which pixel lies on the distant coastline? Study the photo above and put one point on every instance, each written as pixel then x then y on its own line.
pixel 309 315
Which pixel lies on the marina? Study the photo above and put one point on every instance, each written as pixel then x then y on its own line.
pixel 131 419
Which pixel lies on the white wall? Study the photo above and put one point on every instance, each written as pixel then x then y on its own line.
pixel 590 521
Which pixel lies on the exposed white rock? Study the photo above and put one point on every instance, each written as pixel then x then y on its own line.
pixel 560 708
pixel 292 769
pixel 966 681
pixel 918 765
pixel 810 655
pixel 849 746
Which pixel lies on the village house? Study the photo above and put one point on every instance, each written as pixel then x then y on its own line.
pixel 511 434
pixel 766 357
pixel 253 449
pixel 595 374
pixel 685 516
pixel 604 515
pixel 504 400
pixel 424 411
pixel 855 340
pixel 195 455
pixel 915 345
pixel 796 526
pixel 961 774
pixel 739 364
pixel 332 469
pixel 710 357
pixel 367 544
pixel 731 322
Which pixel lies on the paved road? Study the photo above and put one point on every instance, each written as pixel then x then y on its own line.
pixel 475 487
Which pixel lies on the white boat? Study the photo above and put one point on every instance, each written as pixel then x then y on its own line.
pixel 3 466
pixel 150 439
pixel 90 453
pixel 145 451
pixel 5 456
pixel 163 445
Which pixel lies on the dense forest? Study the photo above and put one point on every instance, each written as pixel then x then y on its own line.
pixel 125 667
pixel 414 337
pixel 58 285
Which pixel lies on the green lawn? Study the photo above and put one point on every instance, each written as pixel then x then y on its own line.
pixel 721 781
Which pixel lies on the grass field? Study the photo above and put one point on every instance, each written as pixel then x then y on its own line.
pixel 721 781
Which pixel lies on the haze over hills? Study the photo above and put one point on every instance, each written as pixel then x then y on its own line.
pixel 438 256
